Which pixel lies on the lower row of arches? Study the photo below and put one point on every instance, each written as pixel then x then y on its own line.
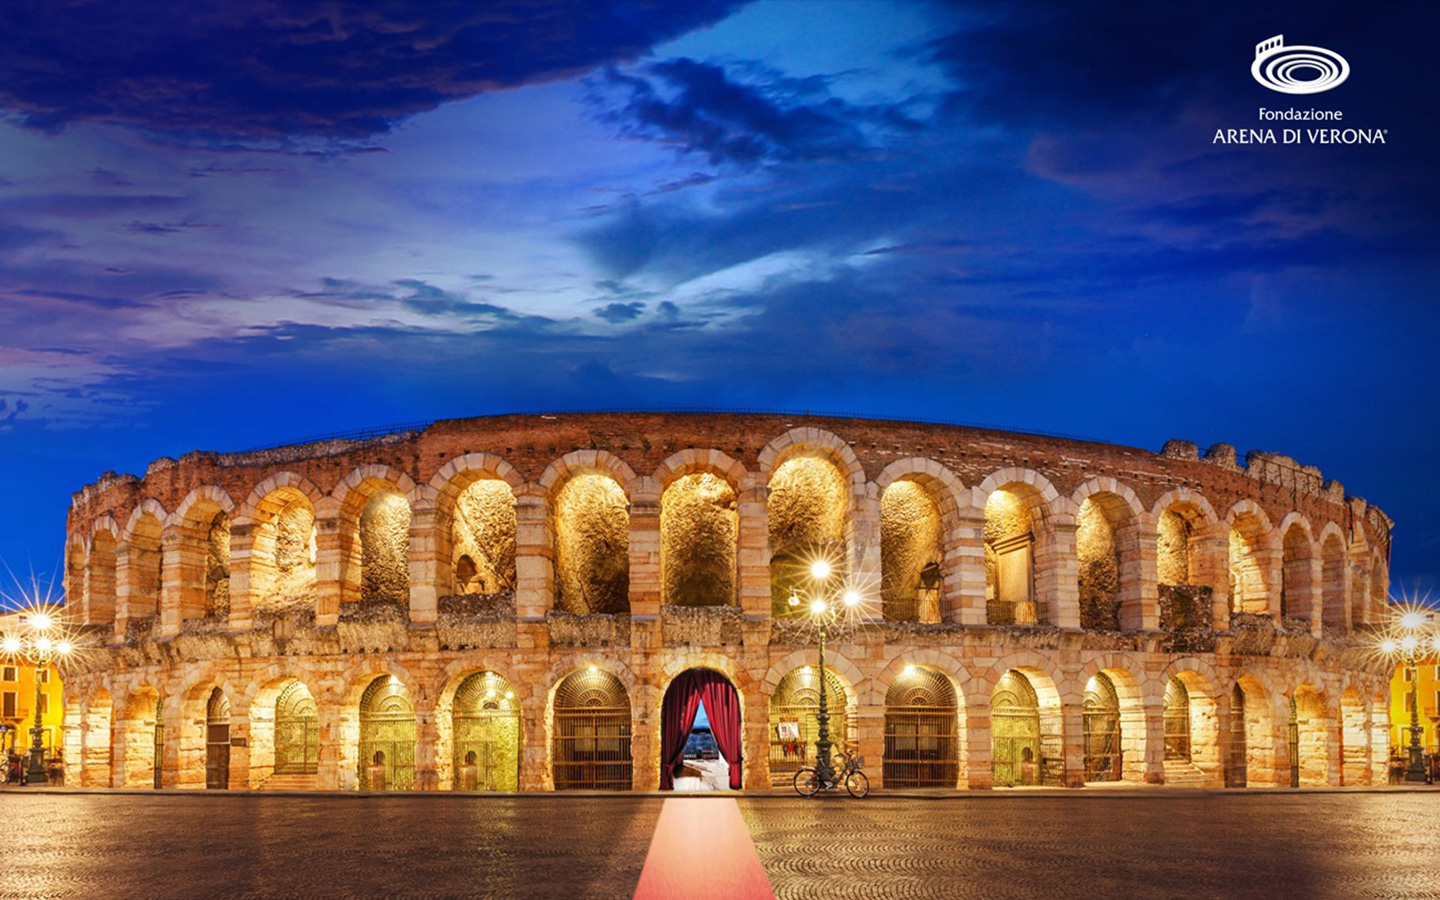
pixel 924 735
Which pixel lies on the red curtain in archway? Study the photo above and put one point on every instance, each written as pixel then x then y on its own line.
pixel 682 701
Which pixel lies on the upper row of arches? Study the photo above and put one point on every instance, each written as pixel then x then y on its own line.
pixel 586 538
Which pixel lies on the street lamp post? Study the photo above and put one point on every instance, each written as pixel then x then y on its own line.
pixel 38 646
pixel 824 613
pixel 1412 635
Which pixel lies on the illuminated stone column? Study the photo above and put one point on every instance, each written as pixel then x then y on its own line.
pixel 239 774
pixel 171 615
pixel 757 741
pixel 871 737
pixel 425 562
pixel 1212 560
pixel 1317 604
pixel 978 764
pixel 329 562
pixel 131 600
pixel 754 547
pixel 534 554
pixel 330 734
pixel 1057 573
pixel 644 739
pixel 73 742
pixel 535 774
pixel 242 547
pixel 965 558
pixel 1270 560
pixel 427 741
pixel 864 547
pixel 1137 543
pixel 1153 763
pixel 644 547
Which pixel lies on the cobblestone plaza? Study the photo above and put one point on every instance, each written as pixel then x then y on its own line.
pixel 1114 843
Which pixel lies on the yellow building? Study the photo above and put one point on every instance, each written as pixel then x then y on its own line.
pixel 17 699
pixel 1428 693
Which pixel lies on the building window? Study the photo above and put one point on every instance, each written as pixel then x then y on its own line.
pixel 44 676
pixel 1409 702
pixel 10 674
pixel 44 704
pixel 1409 674
pixel 9 705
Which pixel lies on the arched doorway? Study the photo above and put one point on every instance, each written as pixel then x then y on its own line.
pixel 591 749
pixel 682 743
pixel 1015 730
pixel 1237 774
pixel 158 745
pixel 297 732
pixel 485 724
pixel 1101 725
pixel 1292 742
pixel 921 747
pixel 793 727
pixel 1177 722
pixel 387 736
pixel 217 741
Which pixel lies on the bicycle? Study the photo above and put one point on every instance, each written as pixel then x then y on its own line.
pixel 808 781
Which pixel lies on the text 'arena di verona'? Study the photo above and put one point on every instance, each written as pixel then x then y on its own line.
pixel 500 603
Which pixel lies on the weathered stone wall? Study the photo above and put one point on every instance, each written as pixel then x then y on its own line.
pixel 592 540
pixel 485 534
pixel 699 529
pixel 910 540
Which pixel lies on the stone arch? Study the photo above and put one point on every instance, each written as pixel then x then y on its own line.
pixel 700 528
pixel 200 531
pixel 141 561
pixel 1354 738
pixel 137 739
pixel 1022 565
pixel 739 679
pixel 1206 744
pixel 562 469
pixel 1253 552
pixel 1191 560
pixel 97 741
pixel 797 441
pixel 261 701
pixel 1299 555
pixel 591 726
pixel 1132 709
pixel 1026 726
pixel 924 727
pixel 280 517
pixel 458 673
pixel 1312 736
pixel 374 534
pixel 591 530
pixel 793 704
pixel 1334 578
pixel 189 710
pixel 474 499
pixel 1262 735
pixel 101 571
pixel 1108 522
pixel 919 540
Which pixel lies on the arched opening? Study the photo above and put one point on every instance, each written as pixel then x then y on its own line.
pixel 1016 757
pixel 701 738
pixel 1177 722
pixel 793 726
pixel 217 741
pixel 699 529
pixel 1332 582
pixel 485 729
pixel 282 558
pixel 1010 557
pixel 922 742
pixel 387 736
pixel 1098 553
pixel 1237 768
pixel 204 554
pixel 1296 588
pixel 100 578
pixel 911 553
pixel 96 771
pixel 137 732
pixel 1191 726
pixel 297 731
pixel 592 545
pixel 1187 573
pixel 807 514
pixel 1100 720
pixel 591 744
pixel 1354 741
pixel 380 550
pixel 143 571
pixel 1309 738
pixel 482 538
pixel 1254 736
pixel 1247 575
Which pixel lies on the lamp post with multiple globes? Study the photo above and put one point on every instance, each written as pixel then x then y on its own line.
pixel 39 643
pixel 825 611
pixel 1411 636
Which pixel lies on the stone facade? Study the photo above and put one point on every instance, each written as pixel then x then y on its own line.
pixel 348 561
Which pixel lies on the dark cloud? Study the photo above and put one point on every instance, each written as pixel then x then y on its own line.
pixel 615 313
pixel 158 229
pixel 332 69
pixel 698 108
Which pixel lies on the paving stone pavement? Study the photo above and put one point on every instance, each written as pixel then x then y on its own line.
pixel 1271 845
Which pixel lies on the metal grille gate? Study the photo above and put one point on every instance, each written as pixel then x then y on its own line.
pixel 217 741
pixel 1101 724
pixel 1239 773
pixel 158 747
pixel 1293 739
pixel 921 749
pixel 486 727
pixel 591 748
pixel 1177 721
pixel 1015 730
pixel 792 719
pixel 297 732
pixel 387 737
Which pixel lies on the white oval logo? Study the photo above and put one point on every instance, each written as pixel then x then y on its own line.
pixel 1299 69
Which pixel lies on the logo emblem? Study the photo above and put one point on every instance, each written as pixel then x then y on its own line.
pixel 1299 69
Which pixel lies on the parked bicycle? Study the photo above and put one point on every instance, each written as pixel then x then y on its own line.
pixel 809 781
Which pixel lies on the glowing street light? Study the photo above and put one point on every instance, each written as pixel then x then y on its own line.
pixel 1412 634
pixel 825 611
pixel 38 643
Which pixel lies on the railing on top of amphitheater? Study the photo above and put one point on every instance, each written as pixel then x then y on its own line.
pixel 364 434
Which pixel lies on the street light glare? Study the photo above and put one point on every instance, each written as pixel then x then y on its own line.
pixel 1412 620
pixel 40 621
pixel 820 569
pixel 1389 646
pixel 43 644
pixel 852 598
pixel 64 647
pixel 818 607
pixel 1409 642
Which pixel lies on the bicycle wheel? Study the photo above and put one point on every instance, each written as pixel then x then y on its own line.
pixel 807 782
pixel 857 784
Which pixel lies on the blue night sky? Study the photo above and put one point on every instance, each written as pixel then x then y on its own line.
pixel 225 225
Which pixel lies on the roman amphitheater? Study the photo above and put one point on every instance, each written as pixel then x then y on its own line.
pixel 517 602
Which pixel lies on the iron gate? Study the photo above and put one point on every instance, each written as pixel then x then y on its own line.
pixel 158 748
pixel 1015 730
pixel 1239 774
pixel 1177 721
pixel 1293 739
pixel 297 732
pixel 1100 721
pixel 486 727
pixel 921 749
pixel 793 728
pixel 387 737
pixel 217 741
pixel 591 748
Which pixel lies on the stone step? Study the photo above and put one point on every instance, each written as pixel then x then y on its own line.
pixel 291 783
